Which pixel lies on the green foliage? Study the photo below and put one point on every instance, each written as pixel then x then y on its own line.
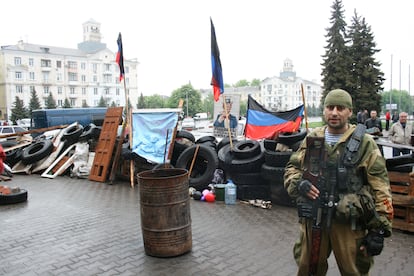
pixel 66 103
pixel 243 108
pixel 141 101
pixel 349 63
pixel 155 101
pixel 255 82
pixel 50 102
pixel 34 102
pixel 401 98
pixel 102 102
pixel 241 83
pixel 208 105
pixel 113 104
pixel 186 92
pixel 18 110
pixel 84 103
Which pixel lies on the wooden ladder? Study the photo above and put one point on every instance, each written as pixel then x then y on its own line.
pixel 106 144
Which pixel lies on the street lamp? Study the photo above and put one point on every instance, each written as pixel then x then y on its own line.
pixel 186 100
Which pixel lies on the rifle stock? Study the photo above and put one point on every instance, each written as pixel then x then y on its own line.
pixel 315 159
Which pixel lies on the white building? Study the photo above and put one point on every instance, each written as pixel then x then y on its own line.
pixel 81 75
pixel 285 92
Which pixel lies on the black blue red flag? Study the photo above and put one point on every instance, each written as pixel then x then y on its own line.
pixel 120 58
pixel 264 124
pixel 217 79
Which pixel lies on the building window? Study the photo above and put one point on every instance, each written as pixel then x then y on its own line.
pixel 32 89
pixel 83 65
pixel 18 75
pixel 94 67
pixel 95 78
pixel 46 77
pixel 106 91
pixel 95 91
pixel 60 103
pixel 19 88
pixel 72 90
pixel 31 62
pixel 84 103
pixel 107 67
pixel 45 63
pixel 17 61
pixel 83 78
pixel 72 102
pixel 58 63
pixel 59 90
pixel 117 92
pixel 73 76
pixel 32 75
pixel 83 91
pixel 72 64
pixel 107 78
pixel 46 90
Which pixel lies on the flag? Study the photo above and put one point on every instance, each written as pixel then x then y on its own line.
pixel 152 134
pixel 264 124
pixel 120 58
pixel 217 79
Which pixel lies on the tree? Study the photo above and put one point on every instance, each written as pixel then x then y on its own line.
pixel 66 103
pixel 18 111
pixel 336 61
pixel 34 102
pixel 113 104
pixel 241 83
pixel 366 77
pixel 102 102
pixel 208 105
pixel 141 102
pixel 84 103
pixel 255 82
pixel 194 99
pixel 50 102
pixel 401 98
pixel 155 101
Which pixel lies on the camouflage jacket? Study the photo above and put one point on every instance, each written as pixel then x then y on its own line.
pixel 371 164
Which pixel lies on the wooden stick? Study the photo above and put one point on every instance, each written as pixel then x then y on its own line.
pixel 193 161
pixel 304 105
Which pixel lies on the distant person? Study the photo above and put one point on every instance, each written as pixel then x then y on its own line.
pixel 400 133
pixel 359 117
pixel 225 119
pixel 395 117
pixel 387 120
pixel 373 124
pixel 364 116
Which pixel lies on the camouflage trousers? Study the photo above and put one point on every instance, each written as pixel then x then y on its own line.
pixel 340 239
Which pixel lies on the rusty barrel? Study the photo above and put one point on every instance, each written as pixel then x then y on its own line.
pixel 165 212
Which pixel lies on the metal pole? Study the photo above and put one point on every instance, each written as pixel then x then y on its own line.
pixel 391 86
pixel 399 106
pixel 186 100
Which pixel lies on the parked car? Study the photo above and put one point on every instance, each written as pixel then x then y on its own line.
pixel 188 123
pixel 10 130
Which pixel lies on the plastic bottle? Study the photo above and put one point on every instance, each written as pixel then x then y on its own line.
pixel 230 192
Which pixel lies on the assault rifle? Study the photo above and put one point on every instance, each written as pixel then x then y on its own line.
pixel 315 163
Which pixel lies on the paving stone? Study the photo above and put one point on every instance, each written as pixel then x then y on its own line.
pixel 80 227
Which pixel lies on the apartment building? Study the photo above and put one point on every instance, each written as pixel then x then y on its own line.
pixel 285 91
pixel 81 75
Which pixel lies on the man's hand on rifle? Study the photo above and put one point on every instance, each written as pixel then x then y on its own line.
pixel 306 189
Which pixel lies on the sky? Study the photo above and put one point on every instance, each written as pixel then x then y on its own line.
pixel 171 38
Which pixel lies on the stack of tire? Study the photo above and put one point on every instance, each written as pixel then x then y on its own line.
pixel 198 157
pixel 273 169
pixel 242 164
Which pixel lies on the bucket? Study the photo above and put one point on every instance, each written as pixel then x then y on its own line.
pixel 165 212
pixel 219 191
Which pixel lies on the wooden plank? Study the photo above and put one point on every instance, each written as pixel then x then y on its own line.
pixel 106 144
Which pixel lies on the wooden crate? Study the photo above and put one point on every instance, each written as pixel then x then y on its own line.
pixel 402 187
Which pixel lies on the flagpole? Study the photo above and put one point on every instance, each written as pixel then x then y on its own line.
pixel 304 107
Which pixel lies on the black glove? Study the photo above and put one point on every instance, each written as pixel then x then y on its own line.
pixel 374 242
pixel 304 187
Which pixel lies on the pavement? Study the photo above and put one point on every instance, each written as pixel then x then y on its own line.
pixel 73 226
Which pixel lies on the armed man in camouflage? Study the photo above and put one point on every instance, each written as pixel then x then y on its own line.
pixel 354 210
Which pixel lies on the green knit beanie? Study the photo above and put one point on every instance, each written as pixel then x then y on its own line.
pixel 338 97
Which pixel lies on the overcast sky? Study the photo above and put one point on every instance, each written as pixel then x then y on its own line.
pixel 171 38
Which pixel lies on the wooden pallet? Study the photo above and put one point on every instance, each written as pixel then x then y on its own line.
pixel 402 187
pixel 106 144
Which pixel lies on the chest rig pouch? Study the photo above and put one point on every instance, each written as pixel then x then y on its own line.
pixel 350 186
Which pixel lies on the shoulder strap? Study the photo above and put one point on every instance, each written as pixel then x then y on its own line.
pixel 353 145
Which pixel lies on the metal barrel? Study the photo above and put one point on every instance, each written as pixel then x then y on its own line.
pixel 165 212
